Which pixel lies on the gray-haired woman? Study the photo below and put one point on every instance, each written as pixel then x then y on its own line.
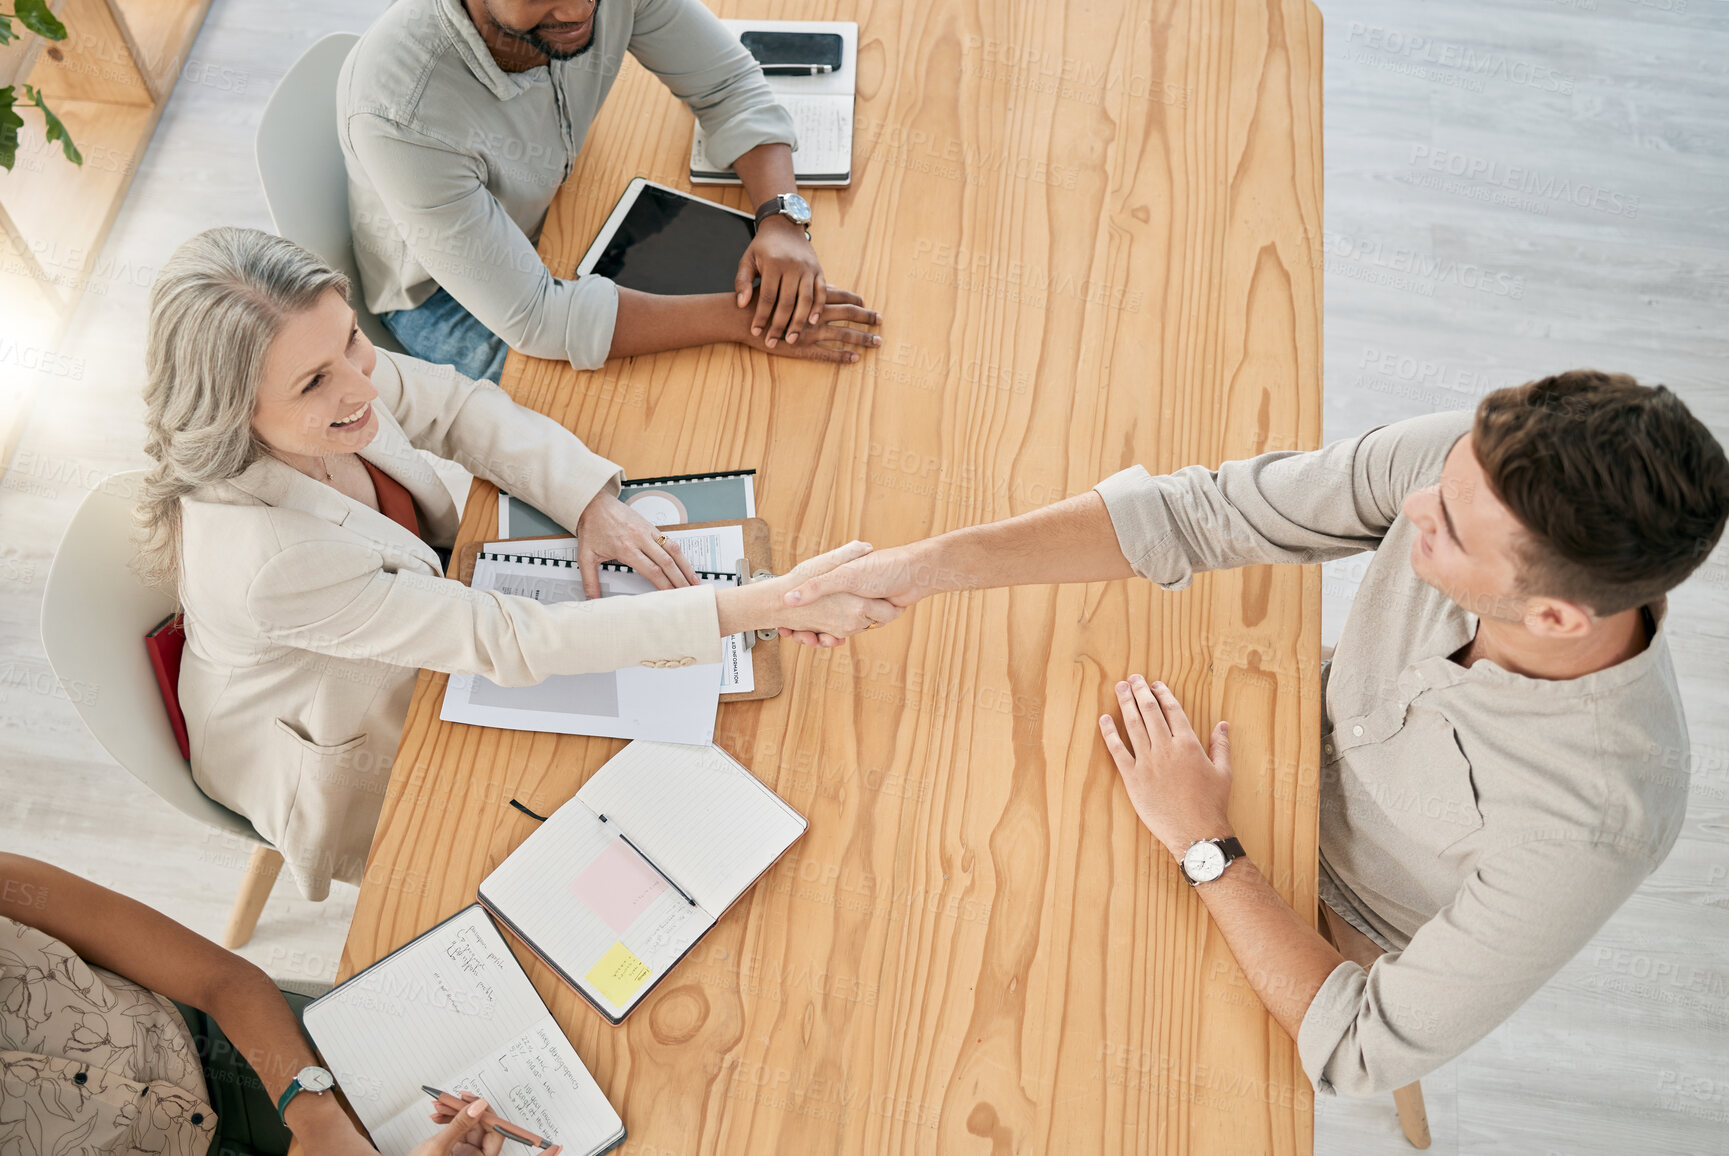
pixel 303 529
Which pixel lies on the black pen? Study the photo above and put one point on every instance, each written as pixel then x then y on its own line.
pixel 650 862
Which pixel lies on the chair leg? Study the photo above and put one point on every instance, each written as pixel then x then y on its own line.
pixel 1413 1117
pixel 255 888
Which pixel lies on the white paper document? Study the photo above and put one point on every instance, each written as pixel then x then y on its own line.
pixel 675 704
pixel 716 549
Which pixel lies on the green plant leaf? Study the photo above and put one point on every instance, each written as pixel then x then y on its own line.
pixel 34 15
pixel 54 131
pixel 10 123
pixel 7 36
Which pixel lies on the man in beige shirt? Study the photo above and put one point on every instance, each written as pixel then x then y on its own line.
pixel 1500 717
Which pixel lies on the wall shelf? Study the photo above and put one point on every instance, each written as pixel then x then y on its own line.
pixel 108 81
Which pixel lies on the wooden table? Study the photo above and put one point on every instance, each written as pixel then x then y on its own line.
pixel 1092 231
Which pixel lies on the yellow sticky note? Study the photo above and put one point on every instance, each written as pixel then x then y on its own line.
pixel 618 975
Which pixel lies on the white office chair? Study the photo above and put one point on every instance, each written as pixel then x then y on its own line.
pixel 306 187
pixel 95 613
pixel 300 163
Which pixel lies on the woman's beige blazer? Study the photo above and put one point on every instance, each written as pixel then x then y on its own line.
pixel 309 614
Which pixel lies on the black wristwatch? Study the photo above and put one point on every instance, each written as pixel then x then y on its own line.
pixel 1207 859
pixel 789 205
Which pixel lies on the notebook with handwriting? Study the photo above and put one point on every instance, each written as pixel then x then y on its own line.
pixel 620 882
pixel 454 1009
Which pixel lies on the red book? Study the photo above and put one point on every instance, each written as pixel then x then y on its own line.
pixel 165 644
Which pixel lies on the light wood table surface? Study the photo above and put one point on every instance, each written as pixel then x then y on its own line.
pixel 1093 233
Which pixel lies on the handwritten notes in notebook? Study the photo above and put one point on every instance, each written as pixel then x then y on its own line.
pixel 619 975
pixel 454 1009
pixel 535 1081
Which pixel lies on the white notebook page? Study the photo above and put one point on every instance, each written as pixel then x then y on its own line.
pixel 576 891
pixel 452 1004
pixel 535 1081
pixel 705 820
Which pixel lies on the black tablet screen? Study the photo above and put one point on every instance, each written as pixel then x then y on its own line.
pixel 671 243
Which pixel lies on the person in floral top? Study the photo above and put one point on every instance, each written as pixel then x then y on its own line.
pixel 99 995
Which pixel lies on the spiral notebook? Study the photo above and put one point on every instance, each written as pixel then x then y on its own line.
pixel 453 1009
pixel 675 703
pixel 623 880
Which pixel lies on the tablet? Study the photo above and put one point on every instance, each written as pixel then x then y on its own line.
pixel 660 240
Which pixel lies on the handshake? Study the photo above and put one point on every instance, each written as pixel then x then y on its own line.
pixel 829 598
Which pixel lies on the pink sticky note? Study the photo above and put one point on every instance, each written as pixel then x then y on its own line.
pixel 618 885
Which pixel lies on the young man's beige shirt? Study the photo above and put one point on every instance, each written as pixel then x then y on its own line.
pixel 1478 824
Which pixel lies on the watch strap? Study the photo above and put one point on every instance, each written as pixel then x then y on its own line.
pixel 292 1090
pixel 1232 849
pixel 770 208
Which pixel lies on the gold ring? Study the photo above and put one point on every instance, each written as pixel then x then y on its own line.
pixel 660 540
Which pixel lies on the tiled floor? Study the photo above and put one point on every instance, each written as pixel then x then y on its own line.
pixel 1513 188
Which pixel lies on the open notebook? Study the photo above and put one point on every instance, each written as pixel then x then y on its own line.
pixel 620 882
pixel 821 107
pixel 453 1009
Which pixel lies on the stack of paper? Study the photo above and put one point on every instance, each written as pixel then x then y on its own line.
pixel 676 704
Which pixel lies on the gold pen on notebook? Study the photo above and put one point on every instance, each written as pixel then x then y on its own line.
pixel 629 843
pixel 488 1119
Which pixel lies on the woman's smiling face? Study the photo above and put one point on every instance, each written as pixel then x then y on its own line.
pixel 316 396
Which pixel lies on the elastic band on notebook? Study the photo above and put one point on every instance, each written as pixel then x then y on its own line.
pixel 526 811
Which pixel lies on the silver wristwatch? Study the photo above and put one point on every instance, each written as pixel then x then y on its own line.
pixel 1206 859
pixel 789 205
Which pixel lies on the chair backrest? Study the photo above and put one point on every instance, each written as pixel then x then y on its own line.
pixel 95 613
pixel 300 164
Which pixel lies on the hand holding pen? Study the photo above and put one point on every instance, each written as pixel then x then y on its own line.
pixel 486 1132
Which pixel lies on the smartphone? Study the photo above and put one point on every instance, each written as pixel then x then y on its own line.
pixel 794 53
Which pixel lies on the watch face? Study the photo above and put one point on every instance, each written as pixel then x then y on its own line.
pixel 796 207
pixel 316 1080
pixel 1204 862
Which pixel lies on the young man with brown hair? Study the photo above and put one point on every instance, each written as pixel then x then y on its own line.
pixel 1497 715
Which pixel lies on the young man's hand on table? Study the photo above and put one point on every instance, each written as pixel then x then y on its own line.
pixel 1179 788
pixel 1181 791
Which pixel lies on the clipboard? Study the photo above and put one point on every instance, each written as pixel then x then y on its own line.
pixel 764 645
